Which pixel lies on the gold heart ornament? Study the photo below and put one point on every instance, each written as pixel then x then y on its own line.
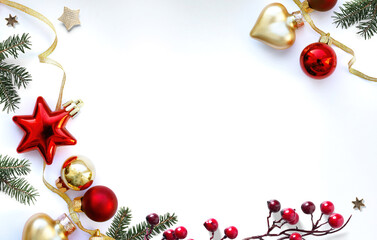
pixel 276 27
pixel 41 227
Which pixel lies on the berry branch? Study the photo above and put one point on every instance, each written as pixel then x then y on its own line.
pixel 289 216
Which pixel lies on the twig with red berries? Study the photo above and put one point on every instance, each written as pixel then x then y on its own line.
pixel 212 225
pixel 178 233
pixel 289 216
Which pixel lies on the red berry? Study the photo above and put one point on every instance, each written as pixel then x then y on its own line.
pixel 295 236
pixel 153 219
pixel 211 225
pixel 231 232
pixel 169 235
pixel 327 207
pixel 273 205
pixel 181 232
pixel 322 5
pixel 288 214
pixel 295 221
pixel 308 207
pixel 336 220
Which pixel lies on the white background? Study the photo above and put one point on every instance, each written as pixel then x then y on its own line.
pixel 185 113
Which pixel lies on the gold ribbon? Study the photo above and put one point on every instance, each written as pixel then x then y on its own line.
pixel 304 6
pixel 43 57
pixel 74 216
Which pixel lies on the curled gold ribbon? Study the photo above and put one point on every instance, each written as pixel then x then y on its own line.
pixel 74 216
pixel 43 57
pixel 304 6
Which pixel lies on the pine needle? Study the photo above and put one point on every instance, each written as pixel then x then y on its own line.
pixel 12 167
pixel 120 223
pixel 19 189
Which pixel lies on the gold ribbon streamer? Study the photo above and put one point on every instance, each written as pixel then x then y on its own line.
pixel 74 216
pixel 43 57
pixel 304 6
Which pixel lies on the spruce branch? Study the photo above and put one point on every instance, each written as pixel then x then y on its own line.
pixel 13 45
pixel 19 75
pixel 19 189
pixel 360 12
pixel 8 94
pixel 137 232
pixel 12 167
pixel 120 223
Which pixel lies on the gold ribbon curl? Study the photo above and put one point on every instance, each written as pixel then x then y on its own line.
pixel 43 57
pixel 305 9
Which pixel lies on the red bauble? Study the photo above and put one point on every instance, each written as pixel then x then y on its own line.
pixel 44 130
pixel 322 5
pixel 99 203
pixel 318 60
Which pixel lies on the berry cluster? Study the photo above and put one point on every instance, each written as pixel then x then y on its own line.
pixel 212 225
pixel 153 220
pixel 290 216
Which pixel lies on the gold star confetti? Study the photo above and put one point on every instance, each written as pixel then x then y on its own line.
pixel 358 204
pixel 11 20
pixel 70 18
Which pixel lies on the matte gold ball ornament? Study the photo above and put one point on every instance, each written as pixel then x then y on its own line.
pixel 276 27
pixel 42 227
pixel 77 173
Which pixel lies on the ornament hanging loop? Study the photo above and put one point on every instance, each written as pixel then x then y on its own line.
pixel 326 39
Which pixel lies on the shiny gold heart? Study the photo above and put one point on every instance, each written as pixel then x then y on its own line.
pixel 41 227
pixel 276 27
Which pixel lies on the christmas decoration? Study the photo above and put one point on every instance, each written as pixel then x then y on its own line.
pixel 358 204
pixel 212 225
pixel 120 230
pixel 45 129
pixel 77 173
pixel 289 216
pixel 10 182
pixel 99 203
pixel 70 18
pixel 363 13
pixel 276 27
pixel 12 76
pixel 322 5
pixel 318 60
pixel 11 20
pixel 42 227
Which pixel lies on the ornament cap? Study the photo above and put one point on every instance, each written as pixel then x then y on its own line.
pixel 73 107
pixel 61 185
pixel 326 39
pixel 66 223
pixel 298 19
pixel 76 204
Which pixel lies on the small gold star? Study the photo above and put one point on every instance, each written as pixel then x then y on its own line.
pixel 358 204
pixel 70 18
pixel 11 20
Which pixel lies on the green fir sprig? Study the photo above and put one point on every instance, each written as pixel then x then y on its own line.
pixel 12 184
pixel 12 77
pixel 120 230
pixel 360 12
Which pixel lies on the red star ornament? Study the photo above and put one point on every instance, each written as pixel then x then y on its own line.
pixel 44 130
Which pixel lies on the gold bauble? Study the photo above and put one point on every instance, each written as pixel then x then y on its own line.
pixel 276 27
pixel 41 227
pixel 77 173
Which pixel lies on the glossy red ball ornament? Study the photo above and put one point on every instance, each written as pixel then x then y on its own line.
pixel 318 60
pixel 99 203
pixel 322 5
pixel 336 220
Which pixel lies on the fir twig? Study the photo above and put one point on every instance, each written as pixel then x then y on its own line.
pixel 13 45
pixel 19 189
pixel 137 232
pixel 20 77
pixel 12 167
pixel 361 12
pixel 120 223
pixel 8 94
